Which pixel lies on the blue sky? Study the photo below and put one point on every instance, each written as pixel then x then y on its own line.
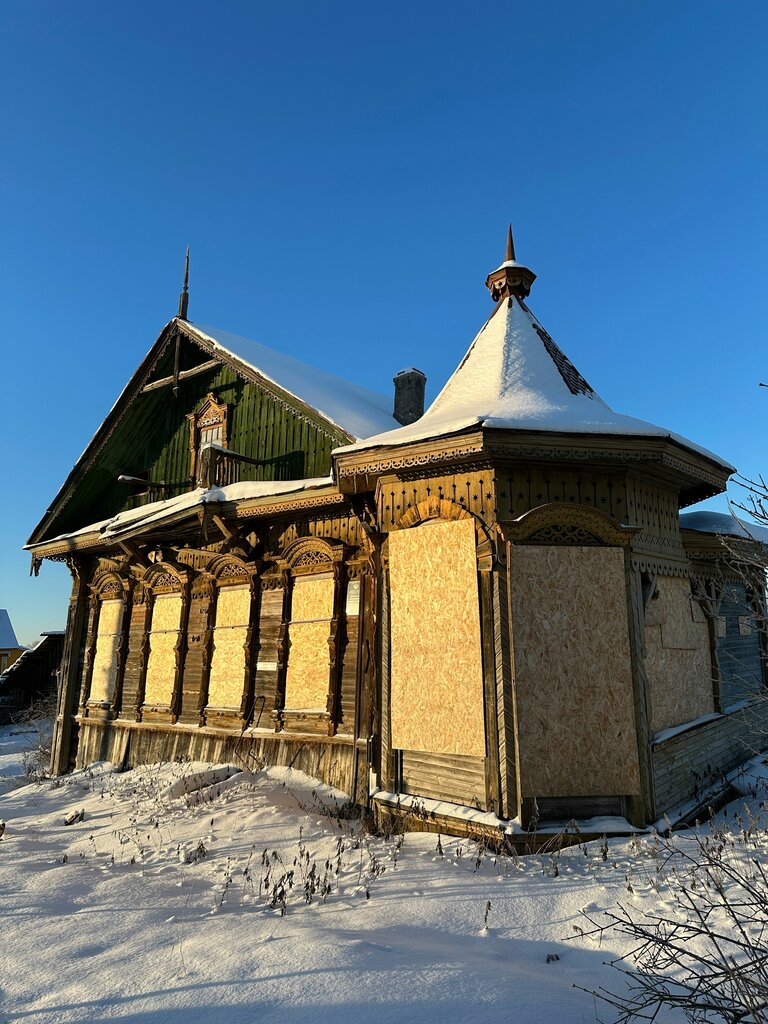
pixel 344 174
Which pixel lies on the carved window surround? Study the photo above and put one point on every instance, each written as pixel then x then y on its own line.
pixel 208 425
pixel 106 651
pixel 163 580
pixel 310 562
pixel 225 701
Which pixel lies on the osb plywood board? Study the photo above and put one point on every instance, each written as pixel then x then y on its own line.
pixel 166 613
pixel 308 677
pixel 110 617
pixel 233 606
pixel 677 660
pixel 161 668
pixel 681 619
pixel 573 672
pixel 105 664
pixel 436 656
pixel 312 598
pixel 225 688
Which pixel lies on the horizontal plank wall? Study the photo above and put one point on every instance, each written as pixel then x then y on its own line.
pixel 327 759
pixel 687 766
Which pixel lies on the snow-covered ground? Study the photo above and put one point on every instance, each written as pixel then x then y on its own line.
pixel 192 896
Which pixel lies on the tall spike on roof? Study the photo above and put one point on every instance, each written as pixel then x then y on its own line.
pixel 184 297
pixel 511 278
pixel 510 246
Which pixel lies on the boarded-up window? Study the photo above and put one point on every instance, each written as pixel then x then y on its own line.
pixel 739 653
pixel 436 657
pixel 105 659
pixel 677 656
pixel 164 635
pixel 573 672
pixel 307 681
pixel 233 612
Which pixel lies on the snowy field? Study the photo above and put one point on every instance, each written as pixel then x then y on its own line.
pixel 192 896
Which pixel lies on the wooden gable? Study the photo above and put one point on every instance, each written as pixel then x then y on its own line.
pixel 147 435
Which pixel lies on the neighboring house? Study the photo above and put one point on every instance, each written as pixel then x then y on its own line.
pixel 490 603
pixel 10 648
pixel 32 677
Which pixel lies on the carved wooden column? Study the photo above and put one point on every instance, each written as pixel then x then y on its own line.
pixel 122 650
pixel 251 649
pixel 204 589
pixel 148 600
pixel 283 644
pixel 68 678
pixel 335 639
pixel 180 649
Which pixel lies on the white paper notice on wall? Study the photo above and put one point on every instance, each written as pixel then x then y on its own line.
pixel 353 598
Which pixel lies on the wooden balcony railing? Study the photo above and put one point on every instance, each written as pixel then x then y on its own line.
pixel 218 467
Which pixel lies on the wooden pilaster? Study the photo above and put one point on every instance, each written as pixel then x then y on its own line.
pixel 490 690
pixel 68 690
pixel 641 809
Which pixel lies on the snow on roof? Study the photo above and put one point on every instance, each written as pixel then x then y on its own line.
pixel 724 524
pixel 355 409
pixel 156 512
pixel 515 377
pixel 7 635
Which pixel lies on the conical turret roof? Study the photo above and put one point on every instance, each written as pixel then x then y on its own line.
pixel 515 377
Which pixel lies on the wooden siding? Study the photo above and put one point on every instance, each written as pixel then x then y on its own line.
pixel 152 440
pixel 452 777
pixel 739 651
pixel 131 744
pixel 688 766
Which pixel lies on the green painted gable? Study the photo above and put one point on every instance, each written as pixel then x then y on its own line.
pixel 148 435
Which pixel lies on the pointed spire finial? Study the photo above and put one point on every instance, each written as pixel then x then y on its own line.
pixel 510 246
pixel 184 297
pixel 511 278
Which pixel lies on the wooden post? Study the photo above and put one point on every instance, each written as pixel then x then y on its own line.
pixel 251 651
pixel 149 601
pixel 205 590
pixel 94 610
pixel 642 808
pixel 386 765
pixel 283 645
pixel 76 614
pixel 180 650
pixel 333 701
pixel 122 650
pixel 509 806
pixel 490 694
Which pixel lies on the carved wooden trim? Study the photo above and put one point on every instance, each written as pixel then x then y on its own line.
pixel 210 413
pixel 295 504
pixel 432 508
pixel 410 460
pixel 311 554
pixel 166 577
pixel 577 525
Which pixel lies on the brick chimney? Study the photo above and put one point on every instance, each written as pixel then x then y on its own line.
pixel 409 395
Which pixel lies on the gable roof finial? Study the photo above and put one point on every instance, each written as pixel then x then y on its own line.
pixel 184 297
pixel 510 246
pixel 512 277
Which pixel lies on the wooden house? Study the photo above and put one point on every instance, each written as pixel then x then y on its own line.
pixel 490 604
pixel 10 648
